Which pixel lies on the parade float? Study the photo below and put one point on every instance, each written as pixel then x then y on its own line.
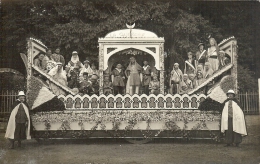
pixel 136 118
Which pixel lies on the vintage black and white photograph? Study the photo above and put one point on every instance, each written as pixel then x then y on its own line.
pixel 129 82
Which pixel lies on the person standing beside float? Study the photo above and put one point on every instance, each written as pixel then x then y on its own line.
pixel 233 120
pixel 18 127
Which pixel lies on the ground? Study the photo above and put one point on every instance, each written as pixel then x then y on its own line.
pixel 112 151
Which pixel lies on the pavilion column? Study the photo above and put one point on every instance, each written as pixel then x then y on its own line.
pixel 234 62
pixel 161 53
pixel 101 67
pixel 29 68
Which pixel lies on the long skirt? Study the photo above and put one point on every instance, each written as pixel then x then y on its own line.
pixel 230 135
pixel 20 131
pixel 214 64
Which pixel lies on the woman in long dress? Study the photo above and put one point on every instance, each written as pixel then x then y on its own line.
pixel 133 72
pixel 213 52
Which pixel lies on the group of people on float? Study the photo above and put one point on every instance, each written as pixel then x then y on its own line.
pixel 198 68
pixel 83 78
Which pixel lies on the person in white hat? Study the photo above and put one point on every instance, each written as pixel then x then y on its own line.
pixel 232 120
pixel 18 127
pixel 86 68
pixel 175 79
pixel 74 63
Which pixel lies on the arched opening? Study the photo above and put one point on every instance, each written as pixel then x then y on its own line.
pixel 123 57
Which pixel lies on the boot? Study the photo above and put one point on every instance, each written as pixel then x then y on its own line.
pixel 19 143
pixel 11 144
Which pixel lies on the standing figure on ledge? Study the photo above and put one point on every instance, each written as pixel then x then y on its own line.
pixel 133 72
pixel 18 127
pixel 175 79
pixel 74 63
pixel 232 120
pixel 213 52
pixel 57 57
pixel 154 85
pixel 201 55
pixel 190 64
pixel 118 80
pixel 147 73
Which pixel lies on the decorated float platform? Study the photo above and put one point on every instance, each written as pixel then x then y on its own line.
pixel 133 117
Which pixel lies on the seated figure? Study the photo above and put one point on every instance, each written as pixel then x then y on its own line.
pixel 185 85
pixel 154 85
pixel 107 86
pixel 73 82
pixel 95 85
pixel 85 84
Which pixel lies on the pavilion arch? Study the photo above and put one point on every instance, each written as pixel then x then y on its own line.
pixel 124 39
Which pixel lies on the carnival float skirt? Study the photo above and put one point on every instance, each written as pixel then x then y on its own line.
pixel 231 136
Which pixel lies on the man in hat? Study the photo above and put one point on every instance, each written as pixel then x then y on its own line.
pixel 233 120
pixel 201 55
pixel 175 79
pixel 18 127
pixel 86 68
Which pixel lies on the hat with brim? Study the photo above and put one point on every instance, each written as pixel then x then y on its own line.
pixel 176 64
pixel 59 63
pixel 231 92
pixel 200 44
pixel 21 93
pixel 74 53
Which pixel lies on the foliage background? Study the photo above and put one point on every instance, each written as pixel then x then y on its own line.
pixel 76 25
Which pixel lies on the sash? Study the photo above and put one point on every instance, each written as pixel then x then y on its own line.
pixel 187 62
pixel 145 68
pixel 202 54
pixel 212 53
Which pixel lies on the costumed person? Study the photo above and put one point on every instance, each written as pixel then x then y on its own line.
pixel 74 63
pixel 175 79
pixel 107 86
pixel 85 84
pixel 213 54
pixel 94 85
pixel 186 84
pixel 232 120
pixel 154 85
pixel 57 57
pixel 208 72
pixel 86 68
pixel 133 72
pixel 200 68
pixel 199 79
pixel 59 75
pixel 118 80
pixel 224 59
pixel 94 70
pixel 190 64
pixel 147 73
pixel 18 127
pixel 46 58
pixel 192 78
pixel 201 55
pixel 38 61
pixel 73 81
